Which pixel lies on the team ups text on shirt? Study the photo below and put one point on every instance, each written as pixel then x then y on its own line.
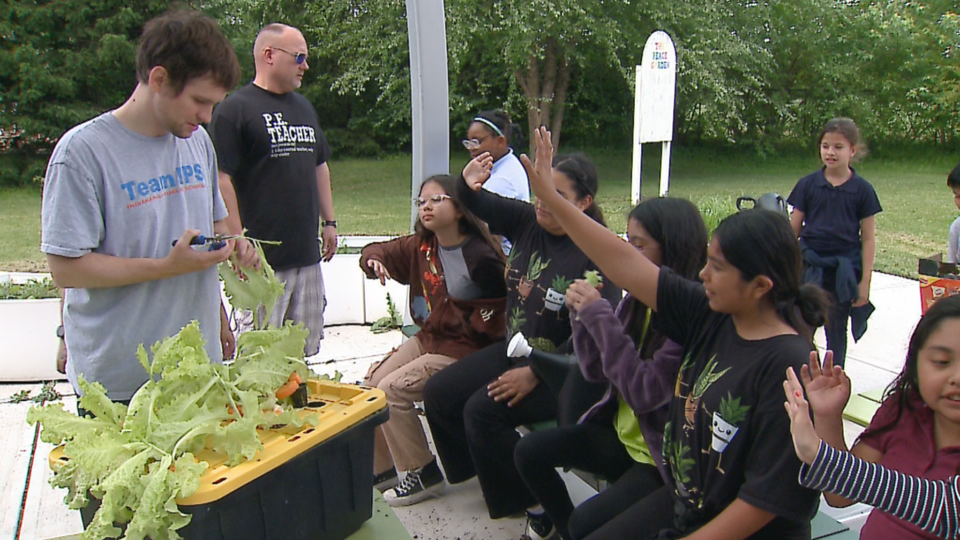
pixel 184 178
pixel 285 139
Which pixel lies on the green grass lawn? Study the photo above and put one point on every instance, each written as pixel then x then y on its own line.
pixel 372 196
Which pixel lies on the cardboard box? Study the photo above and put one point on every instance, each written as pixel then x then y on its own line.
pixel 315 483
pixel 937 280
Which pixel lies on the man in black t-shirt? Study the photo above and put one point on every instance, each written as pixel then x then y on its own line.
pixel 274 176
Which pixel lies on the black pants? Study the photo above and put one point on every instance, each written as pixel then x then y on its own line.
pixel 837 317
pixel 611 515
pixel 475 435
pixel 590 447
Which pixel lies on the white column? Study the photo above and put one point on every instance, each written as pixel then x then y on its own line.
pixel 636 176
pixel 428 93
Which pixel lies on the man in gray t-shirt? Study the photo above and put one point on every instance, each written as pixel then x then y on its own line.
pixel 120 187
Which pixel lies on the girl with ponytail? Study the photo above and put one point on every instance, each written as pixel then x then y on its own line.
pixel 726 434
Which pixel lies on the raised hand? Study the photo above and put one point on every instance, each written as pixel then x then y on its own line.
pixel 805 439
pixel 541 172
pixel 478 170
pixel 828 387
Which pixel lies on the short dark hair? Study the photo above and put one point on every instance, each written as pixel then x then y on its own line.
pixel 760 242
pixel 189 45
pixel 953 179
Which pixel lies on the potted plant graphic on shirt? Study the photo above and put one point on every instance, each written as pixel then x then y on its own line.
pixel 726 421
pixel 707 378
pixel 516 321
pixel 537 266
pixel 556 293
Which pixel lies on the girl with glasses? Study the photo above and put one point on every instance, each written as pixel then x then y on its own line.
pixel 457 296
pixel 492 132
pixel 474 406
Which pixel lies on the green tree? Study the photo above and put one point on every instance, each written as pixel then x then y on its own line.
pixel 61 62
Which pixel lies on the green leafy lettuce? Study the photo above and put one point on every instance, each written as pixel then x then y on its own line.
pixel 139 460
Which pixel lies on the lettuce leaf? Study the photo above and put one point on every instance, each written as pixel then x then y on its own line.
pixel 255 290
pixel 139 460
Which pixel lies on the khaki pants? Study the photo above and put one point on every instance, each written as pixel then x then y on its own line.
pixel 401 375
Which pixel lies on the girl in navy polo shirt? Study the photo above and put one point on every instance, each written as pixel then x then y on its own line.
pixel 833 214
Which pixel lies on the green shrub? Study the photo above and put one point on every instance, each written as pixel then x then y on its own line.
pixel 18 170
pixel 347 143
pixel 31 290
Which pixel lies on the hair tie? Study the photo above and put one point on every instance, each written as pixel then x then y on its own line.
pixel 489 123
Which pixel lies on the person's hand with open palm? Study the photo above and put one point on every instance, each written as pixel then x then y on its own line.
pixel 827 386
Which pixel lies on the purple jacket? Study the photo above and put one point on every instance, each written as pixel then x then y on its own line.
pixel 607 354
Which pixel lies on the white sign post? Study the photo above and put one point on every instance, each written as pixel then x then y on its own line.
pixel 653 111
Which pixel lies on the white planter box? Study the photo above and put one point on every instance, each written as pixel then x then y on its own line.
pixel 351 297
pixel 343 286
pixel 28 334
pixel 354 299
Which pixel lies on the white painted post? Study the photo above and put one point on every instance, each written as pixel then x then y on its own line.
pixel 665 169
pixel 653 116
pixel 636 174
pixel 428 93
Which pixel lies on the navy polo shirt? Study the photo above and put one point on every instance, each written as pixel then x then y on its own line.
pixel 832 214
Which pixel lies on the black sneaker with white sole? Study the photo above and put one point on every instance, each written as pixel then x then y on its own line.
pixel 417 485
pixel 386 480
pixel 539 527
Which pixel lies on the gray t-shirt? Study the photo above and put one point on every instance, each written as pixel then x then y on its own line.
pixel 457 276
pixel 954 241
pixel 109 190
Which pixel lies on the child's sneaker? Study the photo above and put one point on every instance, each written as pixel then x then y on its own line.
pixel 539 527
pixel 385 480
pixel 416 486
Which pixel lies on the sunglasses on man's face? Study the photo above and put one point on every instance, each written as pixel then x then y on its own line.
pixel 299 58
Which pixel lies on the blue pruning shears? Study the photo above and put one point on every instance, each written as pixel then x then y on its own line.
pixel 216 241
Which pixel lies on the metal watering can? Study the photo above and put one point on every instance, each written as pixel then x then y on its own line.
pixel 767 201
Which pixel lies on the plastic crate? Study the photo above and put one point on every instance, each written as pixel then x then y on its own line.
pixel 315 483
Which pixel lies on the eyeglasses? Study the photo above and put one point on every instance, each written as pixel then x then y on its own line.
pixel 434 199
pixel 299 58
pixel 473 144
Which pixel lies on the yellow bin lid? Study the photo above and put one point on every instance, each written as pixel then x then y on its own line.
pixel 338 406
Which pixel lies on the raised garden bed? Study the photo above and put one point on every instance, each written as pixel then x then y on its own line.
pixel 28 332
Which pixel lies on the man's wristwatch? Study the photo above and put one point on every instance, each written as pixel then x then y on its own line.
pixel 60 331
pixel 331 223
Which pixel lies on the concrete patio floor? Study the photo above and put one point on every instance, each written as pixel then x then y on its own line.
pixel 31 509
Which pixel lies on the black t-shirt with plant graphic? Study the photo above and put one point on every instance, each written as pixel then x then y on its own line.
pixel 728 435
pixel 539 268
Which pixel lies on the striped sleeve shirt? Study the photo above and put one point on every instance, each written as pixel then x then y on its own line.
pixel 930 504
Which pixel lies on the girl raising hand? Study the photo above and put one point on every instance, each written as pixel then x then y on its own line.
pixel 740 330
